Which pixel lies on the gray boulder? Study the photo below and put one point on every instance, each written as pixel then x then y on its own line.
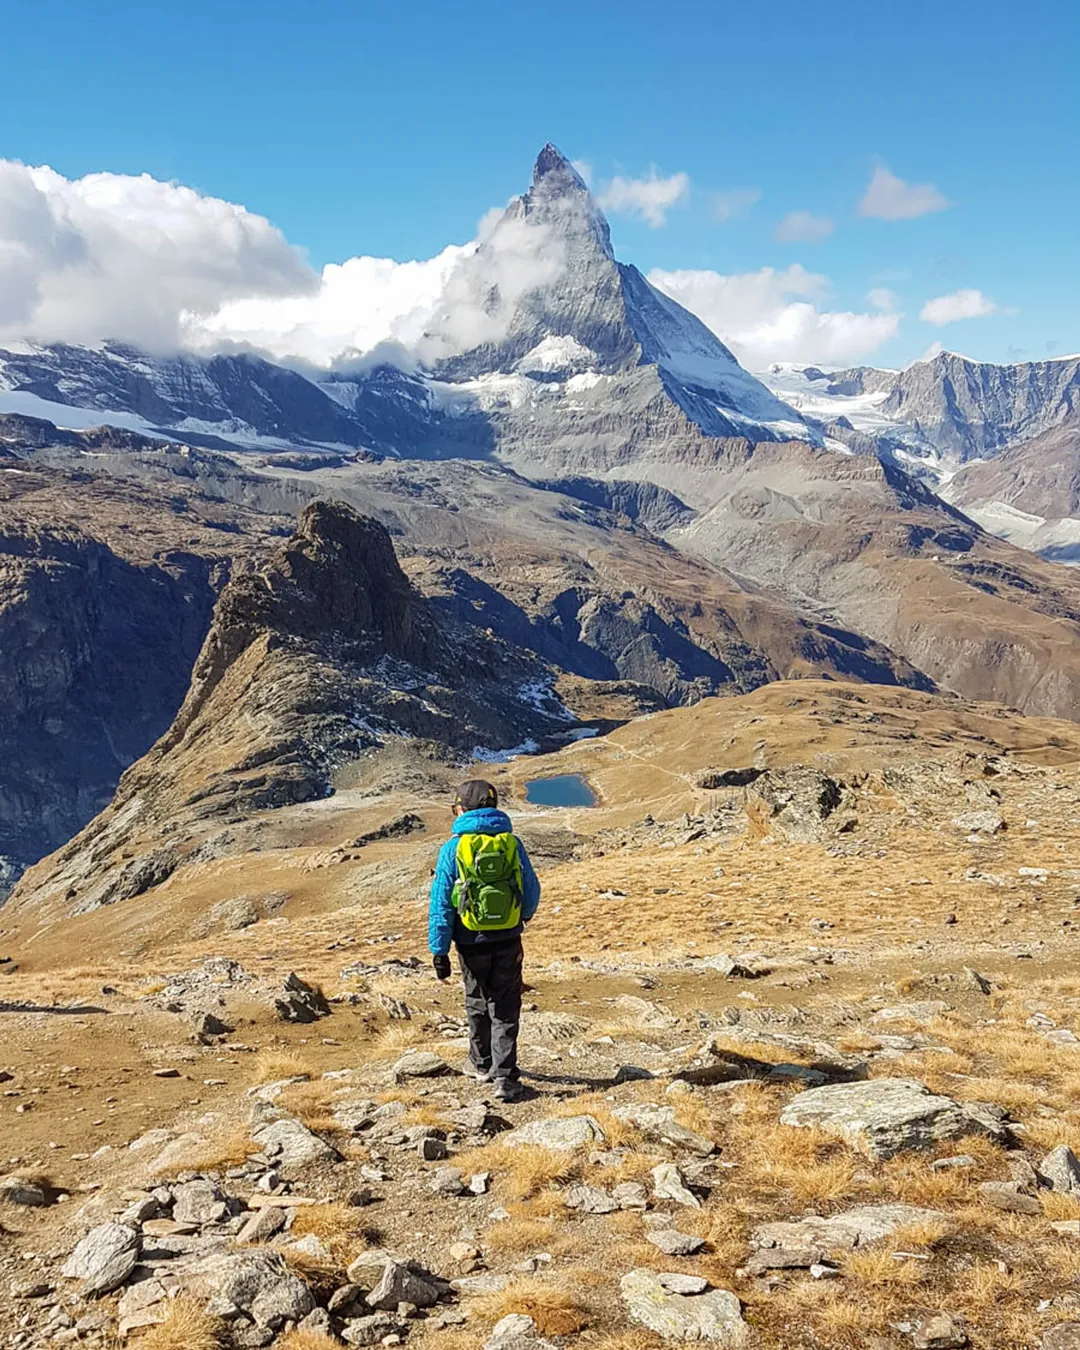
pixel 673 1243
pixel 980 822
pixel 26 1192
pixel 562 1134
pixel 104 1258
pixel 516 1332
pixel 590 1200
pixel 1060 1170
pixel 802 1243
pixel 1065 1336
pixel 669 1185
pixel 199 1202
pixel 297 1001
pixel 882 1117
pixel 939 1332
pixel 289 1143
pixel 658 1123
pixel 713 1316
pixel 258 1283
pixel 402 1284
pixel 420 1064
pixel 369 1330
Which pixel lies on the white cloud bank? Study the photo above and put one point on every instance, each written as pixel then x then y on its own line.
pixel 651 198
pixel 115 256
pixel 890 198
pixel 945 309
pixel 772 315
pixel 162 267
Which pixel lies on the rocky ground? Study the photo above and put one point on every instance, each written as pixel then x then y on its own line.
pixel 802 1045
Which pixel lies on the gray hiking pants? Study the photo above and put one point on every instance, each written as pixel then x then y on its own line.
pixel 492 974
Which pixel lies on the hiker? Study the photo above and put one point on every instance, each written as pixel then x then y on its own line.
pixel 483 893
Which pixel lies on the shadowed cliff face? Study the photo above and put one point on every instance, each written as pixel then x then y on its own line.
pixel 314 656
pixel 106 594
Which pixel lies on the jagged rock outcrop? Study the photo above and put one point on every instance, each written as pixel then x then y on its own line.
pixel 310 658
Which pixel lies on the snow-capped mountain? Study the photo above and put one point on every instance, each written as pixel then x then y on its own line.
pixel 539 325
pixel 945 412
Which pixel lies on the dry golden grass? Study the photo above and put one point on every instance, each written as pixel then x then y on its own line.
pixel 1047 1132
pixel 311 1103
pixel 186 1327
pixel 519 1172
pixel 526 1232
pixel 878 1267
pixel 340 1228
pixel 812 1167
pixel 556 1311
pixel 271 1066
pixel 394 1040
pixel 230 1148
pixel 321 1275
pixel 1057 1206
pixel 306 1340
pixel 625 1340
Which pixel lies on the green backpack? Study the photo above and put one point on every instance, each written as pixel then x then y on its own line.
pixel 487 893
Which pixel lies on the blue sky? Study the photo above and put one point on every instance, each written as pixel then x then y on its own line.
pixel 389 131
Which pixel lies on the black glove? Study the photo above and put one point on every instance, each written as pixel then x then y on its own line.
pixel 442 966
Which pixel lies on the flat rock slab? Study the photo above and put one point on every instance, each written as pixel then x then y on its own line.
pixel 562 1134
pixel 801 1243
pixel 882 1117
pixel 420 1064
pixel 714 1316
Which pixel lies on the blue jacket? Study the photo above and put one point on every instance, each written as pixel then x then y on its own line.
pixel 444 926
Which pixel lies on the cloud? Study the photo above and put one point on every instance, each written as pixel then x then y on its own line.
pixel 945 309
pixel 584 169
pixel 359 305
pixel 409 311
pixel 802 227
pixel 113 256
pixel 651 197
pixel 514 254
pixel 890 198
pixel 772 315
pixel 882 298
pixel 735 202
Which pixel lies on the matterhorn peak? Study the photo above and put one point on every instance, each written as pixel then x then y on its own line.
pixel 551 162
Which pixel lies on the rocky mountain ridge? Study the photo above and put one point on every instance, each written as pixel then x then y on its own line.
pixel 320 652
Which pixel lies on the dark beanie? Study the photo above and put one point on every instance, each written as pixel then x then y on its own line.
pixel 475 795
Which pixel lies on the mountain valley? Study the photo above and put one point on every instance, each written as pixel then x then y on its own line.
pixel 801 1015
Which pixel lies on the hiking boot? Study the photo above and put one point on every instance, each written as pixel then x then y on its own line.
pixel 470 1070
pixel 508 1090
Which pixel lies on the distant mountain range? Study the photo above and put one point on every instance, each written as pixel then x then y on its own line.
pixel 569 461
